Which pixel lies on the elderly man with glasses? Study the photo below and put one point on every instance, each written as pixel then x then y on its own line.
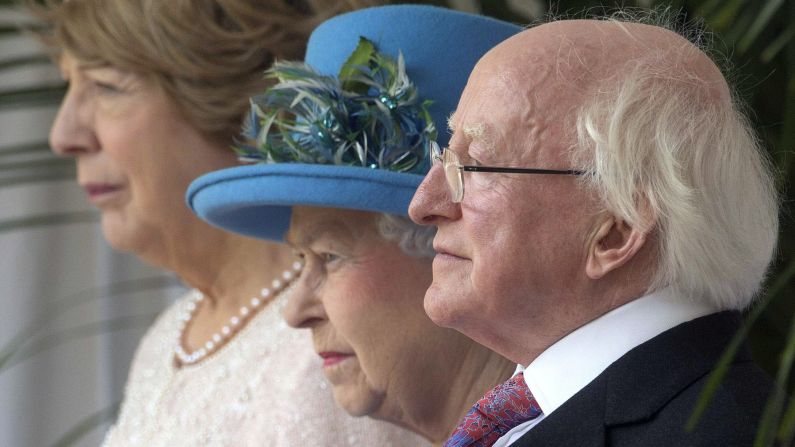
pixel 604 212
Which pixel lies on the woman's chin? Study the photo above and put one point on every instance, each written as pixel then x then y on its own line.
pixel 357 402
pixel 123 235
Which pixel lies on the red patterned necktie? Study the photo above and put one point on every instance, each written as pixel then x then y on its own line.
pixel 501 409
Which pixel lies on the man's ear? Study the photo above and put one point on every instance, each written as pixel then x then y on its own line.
pixel 614 243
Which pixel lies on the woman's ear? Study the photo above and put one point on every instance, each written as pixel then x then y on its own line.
pixel 615 242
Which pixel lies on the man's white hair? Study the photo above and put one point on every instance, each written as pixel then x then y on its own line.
pixel 668 156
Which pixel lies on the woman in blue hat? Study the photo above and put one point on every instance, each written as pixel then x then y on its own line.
pixel 339 146
pixel 157 90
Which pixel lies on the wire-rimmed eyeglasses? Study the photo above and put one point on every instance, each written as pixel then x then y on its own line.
pixel 454 170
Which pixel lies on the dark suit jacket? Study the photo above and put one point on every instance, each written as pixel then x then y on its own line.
pixel 645 398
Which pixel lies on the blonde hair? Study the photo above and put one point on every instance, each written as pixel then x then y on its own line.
pixel 208 56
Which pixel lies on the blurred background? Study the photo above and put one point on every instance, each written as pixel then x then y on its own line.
pixel 72 310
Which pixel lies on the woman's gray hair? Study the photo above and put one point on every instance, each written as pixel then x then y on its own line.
pixel 666 155
pixel 415 240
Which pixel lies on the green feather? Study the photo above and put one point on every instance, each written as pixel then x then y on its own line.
pixel 360 57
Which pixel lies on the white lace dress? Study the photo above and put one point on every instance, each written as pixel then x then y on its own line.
pixel 264 388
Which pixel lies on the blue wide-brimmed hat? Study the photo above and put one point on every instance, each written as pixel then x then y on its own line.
pixel 377 86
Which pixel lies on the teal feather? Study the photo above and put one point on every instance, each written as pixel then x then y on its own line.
pixel 378 120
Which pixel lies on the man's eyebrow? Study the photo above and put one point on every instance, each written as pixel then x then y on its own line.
pixel 475 132
pixel 481 140
pixel 451 123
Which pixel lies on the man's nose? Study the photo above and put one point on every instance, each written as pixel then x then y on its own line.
pixel 432 202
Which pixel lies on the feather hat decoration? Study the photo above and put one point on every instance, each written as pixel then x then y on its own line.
pixel 370 115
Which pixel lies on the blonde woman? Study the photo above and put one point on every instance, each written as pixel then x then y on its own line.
pixel 157 90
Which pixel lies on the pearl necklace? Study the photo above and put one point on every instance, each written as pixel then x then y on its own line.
pixel 236 322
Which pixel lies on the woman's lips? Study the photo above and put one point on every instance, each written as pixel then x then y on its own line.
pixel 332 358
pixel 97 192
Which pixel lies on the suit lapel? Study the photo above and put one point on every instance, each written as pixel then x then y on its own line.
pixel 578 422
pixel 639 384
pixel 645 379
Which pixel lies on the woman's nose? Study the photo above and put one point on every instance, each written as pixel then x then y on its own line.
pixel 304 308
pixel 72 133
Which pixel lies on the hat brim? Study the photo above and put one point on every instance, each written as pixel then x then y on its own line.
pixel 256 200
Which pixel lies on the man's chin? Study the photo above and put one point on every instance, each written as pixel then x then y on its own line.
pixel 441 306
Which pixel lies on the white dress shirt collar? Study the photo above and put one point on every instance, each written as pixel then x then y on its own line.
pixel 574 361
